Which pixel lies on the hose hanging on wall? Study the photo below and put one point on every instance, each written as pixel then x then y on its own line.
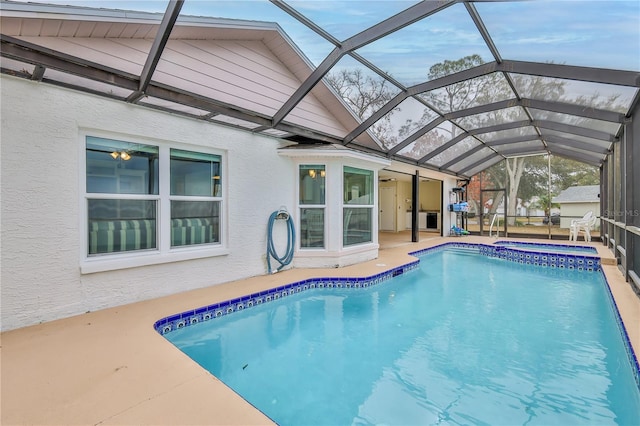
pixel 281 214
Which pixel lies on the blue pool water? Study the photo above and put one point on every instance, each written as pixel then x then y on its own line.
pixel 463 339
pixel 548 248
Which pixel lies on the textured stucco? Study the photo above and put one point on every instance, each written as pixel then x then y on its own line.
pixel 41 153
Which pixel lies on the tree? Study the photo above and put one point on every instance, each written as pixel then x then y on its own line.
pixel 566 173
pixel 524 176
pixel 366 94
pixel 544 202
pixel 453 97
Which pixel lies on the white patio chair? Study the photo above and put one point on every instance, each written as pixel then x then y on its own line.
pixel 585 224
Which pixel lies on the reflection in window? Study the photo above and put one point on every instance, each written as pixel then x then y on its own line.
pixel 115 167
pixel 358 186
pixel 312 184
pixel 121 225
pixel 195 216
pixel 312 228
pixel 195 174
pixel 195 222
pixel 124 197
pixel 122 218
pixel 312 178
pixel 357 226
pixel 357 221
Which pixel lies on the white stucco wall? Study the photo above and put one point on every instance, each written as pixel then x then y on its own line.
pixel 40 246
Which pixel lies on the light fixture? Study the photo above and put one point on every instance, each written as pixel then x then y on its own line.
pixel 120 154
pixel 313 173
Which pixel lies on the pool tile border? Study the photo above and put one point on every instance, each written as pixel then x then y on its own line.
pixel 570 261
pixel 558 261
pixel 587 250
pixel 633 360
pixel 216 310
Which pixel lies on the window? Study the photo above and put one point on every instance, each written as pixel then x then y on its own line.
pixel 357 191
pixel 122 196
pixel 195 187
pixel 129 186
pixel 312 205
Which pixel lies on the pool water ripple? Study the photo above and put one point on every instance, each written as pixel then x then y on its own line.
pixel 464 339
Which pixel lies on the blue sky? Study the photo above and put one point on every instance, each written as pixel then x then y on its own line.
pixel 602 34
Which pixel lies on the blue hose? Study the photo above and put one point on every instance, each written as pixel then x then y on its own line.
pixel 291 240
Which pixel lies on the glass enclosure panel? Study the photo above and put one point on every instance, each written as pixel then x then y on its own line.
pixel 507 134
pixel 311 228
pixel 619 184
pixel 598 144
pixel 358 225
pixel 533 208
pixel 470 93
pixel 195 222
pixel 590 123
pixel 510 148
pixel 409 116
pixel 483 204
pixel 455 151
pixel 312 183
pixel 610 210
pixel 586 33
pixel 594 95
pixel 358 186
pixel 116 226
pixel 351 19
pixel 587 155
pixel 483 166
pixel 116 167
pixel 221 118
pixel 364 91
pixel 195 174
pixel 431 140
pixel 419 51
pixel 635 244
pixel 527 194
pixel 468 160
pixel 634 191
pixel 315 47
pixel 492 118
pixel 173 106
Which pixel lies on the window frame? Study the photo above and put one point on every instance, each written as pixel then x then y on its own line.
pixel 358 206
pixel 163 253
pixel 312 206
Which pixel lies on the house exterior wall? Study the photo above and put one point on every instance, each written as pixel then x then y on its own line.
pixel 571 211
pixel 41 230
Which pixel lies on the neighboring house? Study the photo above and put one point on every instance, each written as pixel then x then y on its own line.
pixel 106 202
pixel 575 201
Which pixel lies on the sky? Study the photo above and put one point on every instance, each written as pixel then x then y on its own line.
pixel 604 34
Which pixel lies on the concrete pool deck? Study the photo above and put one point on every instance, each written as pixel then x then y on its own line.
pixel 111 367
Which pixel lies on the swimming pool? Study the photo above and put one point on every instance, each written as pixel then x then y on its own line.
pixel 438 343
pixel 549 248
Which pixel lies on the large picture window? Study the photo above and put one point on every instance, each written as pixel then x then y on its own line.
pixel 358 201
pixel 312 205
pixel 129 187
